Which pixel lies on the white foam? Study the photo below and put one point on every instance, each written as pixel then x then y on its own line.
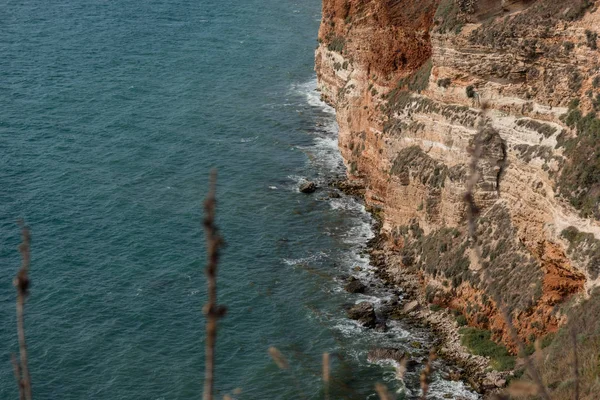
pixel 313 96
pixel 304 260
pixel 297 180
pixel 324 154
pixel 439 388
pixel 349 328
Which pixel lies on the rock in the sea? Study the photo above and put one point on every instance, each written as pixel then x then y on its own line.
pixel 363 313
pixel 355 286
pixel 379 354
pixel 381 326
pixel 334 195
pixel 308 187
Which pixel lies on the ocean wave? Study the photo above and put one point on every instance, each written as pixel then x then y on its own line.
pixel 440 388
pixel 248 140
pixel 312 95
pixel 304 260
pixel 324 155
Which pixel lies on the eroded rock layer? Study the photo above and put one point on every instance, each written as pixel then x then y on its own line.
pixel 439 101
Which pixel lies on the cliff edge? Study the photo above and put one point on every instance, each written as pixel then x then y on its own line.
pixel 495 101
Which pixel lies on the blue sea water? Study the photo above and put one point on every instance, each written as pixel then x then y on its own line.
pixel 112 114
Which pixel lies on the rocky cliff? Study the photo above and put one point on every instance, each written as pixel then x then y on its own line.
pixel 488 101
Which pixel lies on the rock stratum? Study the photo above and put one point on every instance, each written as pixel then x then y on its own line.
pixel 490 101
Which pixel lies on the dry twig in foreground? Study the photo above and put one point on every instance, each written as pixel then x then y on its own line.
pixel 326 374
pixel 212 311
pixel 21 282
pixel 472 214
pixel 383 392
pixel 425 377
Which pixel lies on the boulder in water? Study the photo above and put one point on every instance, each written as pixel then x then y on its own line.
pixel 363 313
pixel 381 326
pixel 355 286
pixel 308 187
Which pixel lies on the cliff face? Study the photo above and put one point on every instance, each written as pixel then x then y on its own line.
pixel 430 94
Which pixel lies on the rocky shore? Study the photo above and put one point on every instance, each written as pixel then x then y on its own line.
pixel 414 308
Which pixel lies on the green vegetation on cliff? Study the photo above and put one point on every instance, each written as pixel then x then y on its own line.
pixel 579 180
pixel 479 341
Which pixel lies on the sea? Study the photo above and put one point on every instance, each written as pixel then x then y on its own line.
pixel 112 115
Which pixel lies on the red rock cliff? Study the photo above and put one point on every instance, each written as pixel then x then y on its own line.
pixel 419 87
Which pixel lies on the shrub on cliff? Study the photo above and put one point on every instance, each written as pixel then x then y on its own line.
pixel 480 342
pixel 445 82
pixel 581 337
pixel 470 91
pixel 336 43
pixel 591 39
pixel 585 248
pixel 418 80
pixel 579 181
pixel 507 31
pixel 448 17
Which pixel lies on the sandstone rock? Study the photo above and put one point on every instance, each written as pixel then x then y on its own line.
pixel 308 187
pixel 408 151
pixel 494 380
pixel 355 286
pixel 411 149
pixel 363 313
pixel 351 188
pixel 411 306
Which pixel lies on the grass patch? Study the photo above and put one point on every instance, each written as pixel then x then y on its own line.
pixel 591 39
pixel 447 17
pixel 336 43
pixel 435 307
pixel 556 367
pixel 480 342
pixel 416 81
pixel 585 248
pixel 579 180
pixel 537 20
pixel 545 129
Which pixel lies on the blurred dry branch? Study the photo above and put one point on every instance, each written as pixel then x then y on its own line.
pixel 212 311
pixel 575 362
pixel 383 392
pixel 21 283
pixel 472 214
pixel 326 374
pixel 426 375
pixel 278 358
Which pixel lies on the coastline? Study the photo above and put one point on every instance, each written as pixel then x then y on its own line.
pixel 473 370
